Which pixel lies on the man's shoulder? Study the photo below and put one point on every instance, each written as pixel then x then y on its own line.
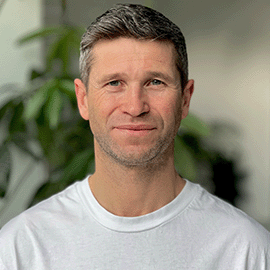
pixel 64 203
pixel 35 230
pixel 224 217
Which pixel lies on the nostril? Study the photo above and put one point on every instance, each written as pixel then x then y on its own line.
pixel 143 113
pixel 136 113
pixel 135 108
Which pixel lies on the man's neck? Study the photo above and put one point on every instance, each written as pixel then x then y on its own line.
pixel 135 191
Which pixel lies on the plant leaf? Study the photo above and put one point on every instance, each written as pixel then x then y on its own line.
pixel 22 140
pixel 5 169
pixel 17 124
pixel 79 164
pixel 195 125
pixel 5 108
pixel 67 86
pixel 40 33
pixel 36 74
pixel 64 48
pixel 185 163
pixel 54 107
pixel 34 104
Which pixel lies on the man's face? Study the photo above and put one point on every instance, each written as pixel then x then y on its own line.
pixel 134 101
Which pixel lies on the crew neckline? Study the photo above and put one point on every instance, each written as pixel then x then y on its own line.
pixel 139 223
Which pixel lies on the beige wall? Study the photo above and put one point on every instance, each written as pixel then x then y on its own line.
pixel 16 19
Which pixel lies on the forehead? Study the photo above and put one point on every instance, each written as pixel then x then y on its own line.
pixel 123 52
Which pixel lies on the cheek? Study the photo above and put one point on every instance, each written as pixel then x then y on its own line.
pixel 170 108
pixel 100 108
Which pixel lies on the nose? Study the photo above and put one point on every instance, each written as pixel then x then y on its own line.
pixel 135 101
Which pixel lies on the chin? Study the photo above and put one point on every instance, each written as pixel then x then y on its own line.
pixel 134 157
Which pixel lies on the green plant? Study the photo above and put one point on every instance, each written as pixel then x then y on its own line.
pixel 43 120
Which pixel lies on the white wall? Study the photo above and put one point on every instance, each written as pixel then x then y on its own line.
pixel 17 18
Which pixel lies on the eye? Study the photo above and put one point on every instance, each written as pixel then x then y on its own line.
pixel 156 82
pixel 114 83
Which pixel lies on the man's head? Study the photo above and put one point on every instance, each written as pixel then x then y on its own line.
pixel 133 21
pixel 132 95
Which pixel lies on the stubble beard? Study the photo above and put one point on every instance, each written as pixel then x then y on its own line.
pixel 153 157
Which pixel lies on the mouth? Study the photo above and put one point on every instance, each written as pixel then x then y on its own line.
pixel 136 130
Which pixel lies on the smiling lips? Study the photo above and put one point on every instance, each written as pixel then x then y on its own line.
pixel 136 129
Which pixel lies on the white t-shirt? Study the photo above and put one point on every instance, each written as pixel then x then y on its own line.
pixel 71 230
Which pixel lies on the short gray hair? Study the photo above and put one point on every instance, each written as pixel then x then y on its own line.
pixel 133 21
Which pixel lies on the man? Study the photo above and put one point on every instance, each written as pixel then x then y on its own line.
pixel 135 211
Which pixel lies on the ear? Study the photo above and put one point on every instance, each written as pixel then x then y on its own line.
pixel 186 97
pixel 81 95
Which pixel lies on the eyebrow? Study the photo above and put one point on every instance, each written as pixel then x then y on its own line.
pixel 152 74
